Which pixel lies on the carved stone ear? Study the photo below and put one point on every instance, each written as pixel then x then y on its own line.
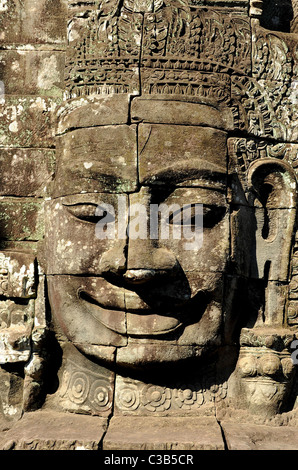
pixel 273 193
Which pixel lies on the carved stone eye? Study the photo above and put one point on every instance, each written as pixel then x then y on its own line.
pixel 193 214
pixel 186 215
pixel 90 213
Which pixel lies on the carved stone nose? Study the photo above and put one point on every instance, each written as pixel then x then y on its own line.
pixel 113 261
pixel 144 260
pixel 141 276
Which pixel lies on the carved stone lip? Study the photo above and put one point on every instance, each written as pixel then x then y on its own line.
pixel 161 327
pixel 117 306
pixel 126 303
pixel 132 322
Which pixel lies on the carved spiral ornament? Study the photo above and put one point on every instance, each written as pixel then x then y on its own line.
pixel 100 396
pixel 128 398
pixel 78 388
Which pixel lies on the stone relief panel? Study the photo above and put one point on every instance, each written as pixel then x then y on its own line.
pixel 192 398
pixel 31 77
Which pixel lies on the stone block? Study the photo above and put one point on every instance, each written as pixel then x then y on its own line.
pixel 143 433
pixel 26 172
pixel 99 159
pixel 71 227
pixel 181 395
pixel 94 111
pixel 11 392
pixel 274 230
pixel 190 223
pixel 25 22
pixel 91 313
pixel 275 110
pixel 203 246
pixel 17 274
pixel 15 331
pixel 242 241
pixel 21 219
pixel 40 321
pixel 32 72
pixel 151 91
pixel 180 111
pixel 49 430
pixel 84 387
pixel 258 437
pixel 265 251
pixel 292 317
pixel 181 155
pixel 139 356
pixel 26 122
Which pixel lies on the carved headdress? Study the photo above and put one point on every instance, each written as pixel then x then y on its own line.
pixel 180 48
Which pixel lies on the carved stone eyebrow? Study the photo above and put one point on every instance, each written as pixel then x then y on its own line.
pixel 208 175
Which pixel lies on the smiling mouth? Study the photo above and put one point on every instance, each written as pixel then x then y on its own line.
pixel 139 321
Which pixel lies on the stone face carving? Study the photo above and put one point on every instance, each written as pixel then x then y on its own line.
pixel 148 268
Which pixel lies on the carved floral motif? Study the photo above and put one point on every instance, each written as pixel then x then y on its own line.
pixel 85 390
pixel 135 396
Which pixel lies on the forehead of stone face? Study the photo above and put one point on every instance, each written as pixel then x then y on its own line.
pixel 96 150
pixel 125 108
pixel 93 111
pixel 96 159
pixel 186 110
pixel 182 155
pixel 104 144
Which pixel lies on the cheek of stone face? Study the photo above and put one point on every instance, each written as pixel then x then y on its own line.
pixel 204 325
pixel 198 230
pixel 210 255
pixel 82 321
pixel 72 244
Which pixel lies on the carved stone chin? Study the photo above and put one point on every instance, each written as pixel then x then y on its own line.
pixel 148 208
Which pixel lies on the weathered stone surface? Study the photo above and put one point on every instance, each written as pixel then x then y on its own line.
pixel 273 66
pixel 26 172
pixel 252 437
pixel 11 397
pixel 26 122
pixel 44 430
pixel 187 112
pixel 83 387
pixel 21 219
pixel 148 199
pixel 181 154
pixel 104 158
pixel 81 214
pixel 280 228
pixel 182 216
pixel 96 111
pixel 174 395
pixel 106 324
pixel 32 72
pixel 15 332
pixel 18 271
pixel 25 22
pixel 163 434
